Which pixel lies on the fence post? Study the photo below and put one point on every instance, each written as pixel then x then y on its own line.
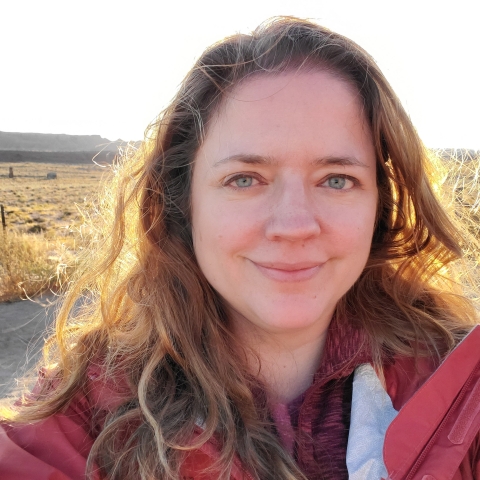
pixel 4 224
pixel 10 172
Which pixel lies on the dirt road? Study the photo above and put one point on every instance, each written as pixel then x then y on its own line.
pixel 22 330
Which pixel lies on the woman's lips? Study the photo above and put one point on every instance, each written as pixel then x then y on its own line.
pixel 288 273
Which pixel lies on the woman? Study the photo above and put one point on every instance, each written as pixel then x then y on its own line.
pixel 277 298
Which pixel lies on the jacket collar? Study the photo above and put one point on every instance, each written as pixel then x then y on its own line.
pixel 346 347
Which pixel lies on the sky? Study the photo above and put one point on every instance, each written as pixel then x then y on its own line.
pixel 109 67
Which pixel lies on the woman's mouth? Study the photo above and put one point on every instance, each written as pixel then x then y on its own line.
pixel 283 272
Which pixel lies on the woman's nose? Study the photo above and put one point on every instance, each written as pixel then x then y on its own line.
pixel 292 214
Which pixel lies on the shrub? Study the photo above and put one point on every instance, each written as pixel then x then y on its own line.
pixel 33 263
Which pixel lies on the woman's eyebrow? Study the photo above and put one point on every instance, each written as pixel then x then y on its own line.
pixel 251 159
pixel 334 160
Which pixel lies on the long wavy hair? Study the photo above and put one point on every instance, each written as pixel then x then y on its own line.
pixel 142 311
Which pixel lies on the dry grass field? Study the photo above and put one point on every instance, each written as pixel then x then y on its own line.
pixel 44 223
pixel 461 189
pixel 34 204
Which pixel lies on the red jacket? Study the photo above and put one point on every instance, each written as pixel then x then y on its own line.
pixel 434 436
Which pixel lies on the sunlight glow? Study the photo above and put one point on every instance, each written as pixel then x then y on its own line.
pixel 108 67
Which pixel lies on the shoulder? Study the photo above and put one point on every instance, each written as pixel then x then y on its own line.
pixel 58 446
pixel 54 448
pixel 441 410
pixel 405 376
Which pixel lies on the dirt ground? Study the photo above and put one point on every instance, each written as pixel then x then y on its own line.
pixel 22 330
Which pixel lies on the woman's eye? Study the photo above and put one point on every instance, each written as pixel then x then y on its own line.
pixel 336 182
pixel 339 183
pixel 243 182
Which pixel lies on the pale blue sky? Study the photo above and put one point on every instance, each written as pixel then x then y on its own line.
pixel 108 67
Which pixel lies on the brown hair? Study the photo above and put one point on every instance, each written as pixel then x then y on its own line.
pixel 152 319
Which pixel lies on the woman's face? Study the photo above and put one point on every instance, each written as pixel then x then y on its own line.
pixel 284 200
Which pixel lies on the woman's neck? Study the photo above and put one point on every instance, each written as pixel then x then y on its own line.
pixel 285 363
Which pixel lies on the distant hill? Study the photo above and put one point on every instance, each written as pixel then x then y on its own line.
pixel 52 142
pixel 32 156
pixel 18 147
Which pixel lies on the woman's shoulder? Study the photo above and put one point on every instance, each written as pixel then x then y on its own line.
pixel 405 376
pixel 57 447
pixel 443 411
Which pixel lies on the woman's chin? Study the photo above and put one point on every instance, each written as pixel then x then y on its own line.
pixel 285 319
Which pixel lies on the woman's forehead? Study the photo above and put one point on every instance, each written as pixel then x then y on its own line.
pixel 297 111
pixel 263 85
